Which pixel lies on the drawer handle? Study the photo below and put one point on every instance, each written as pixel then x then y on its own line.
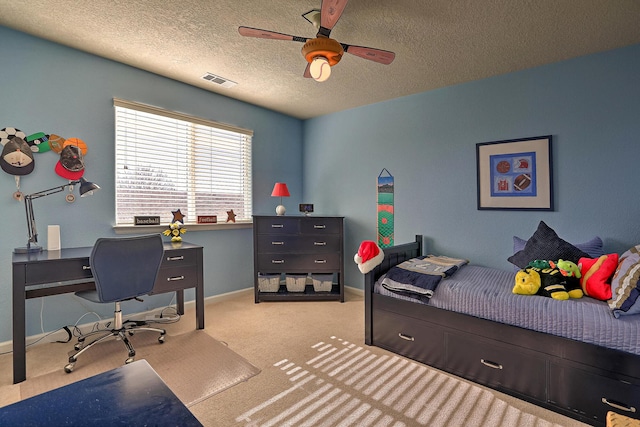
pixel 175 278
pixel 277 261
pixel 320 261
pixel 277 225
pixel 618 405
pixel 86 267
pixel 491 364
pixel 319 226
pixel 319 243
pixel 175 258
pixel 277 243
pixel 406 337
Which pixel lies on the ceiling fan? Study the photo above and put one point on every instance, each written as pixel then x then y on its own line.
pixel 323 52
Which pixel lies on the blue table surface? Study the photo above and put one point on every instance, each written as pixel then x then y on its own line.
pixel 131 395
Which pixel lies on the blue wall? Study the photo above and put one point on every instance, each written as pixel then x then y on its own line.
pixel 591 107
pixel 427 141
pixel 50 88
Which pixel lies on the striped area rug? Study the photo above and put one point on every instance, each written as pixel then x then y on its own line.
pixel 345 384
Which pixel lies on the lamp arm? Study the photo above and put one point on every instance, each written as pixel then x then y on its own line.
pixel 31 220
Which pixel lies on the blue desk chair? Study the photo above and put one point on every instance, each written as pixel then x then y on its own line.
pixel 123 268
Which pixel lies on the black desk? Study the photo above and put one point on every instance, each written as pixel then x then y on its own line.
pixel 131 395
pixel 67 270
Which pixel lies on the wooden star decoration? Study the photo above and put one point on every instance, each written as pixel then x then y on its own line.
pixel 177 216
pixel 231 216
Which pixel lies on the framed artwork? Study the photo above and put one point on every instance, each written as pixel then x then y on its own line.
pixel 515 174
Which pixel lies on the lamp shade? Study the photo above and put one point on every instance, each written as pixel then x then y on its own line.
pixel 280 190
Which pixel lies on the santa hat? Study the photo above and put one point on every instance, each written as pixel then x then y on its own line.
pixel 369 255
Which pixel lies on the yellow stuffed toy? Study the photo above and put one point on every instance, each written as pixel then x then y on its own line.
pixel 548 282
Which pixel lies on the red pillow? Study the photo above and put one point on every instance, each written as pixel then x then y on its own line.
pixel 597 274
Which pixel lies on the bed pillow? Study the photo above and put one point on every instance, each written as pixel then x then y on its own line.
pixel 596 275
pixel 625 285
pixel 545 244
pixel 594 247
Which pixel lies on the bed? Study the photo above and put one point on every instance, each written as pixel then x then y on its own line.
pixel 582 366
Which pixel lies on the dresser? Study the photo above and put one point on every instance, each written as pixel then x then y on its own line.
pixel 288 249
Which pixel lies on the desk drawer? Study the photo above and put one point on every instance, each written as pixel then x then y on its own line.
pixel 61 271
pixel 179 258
pixel 293 244
pixel 505 366
pixel 174 279
pixel 304 263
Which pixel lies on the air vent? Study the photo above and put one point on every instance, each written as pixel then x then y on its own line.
pixel 221 81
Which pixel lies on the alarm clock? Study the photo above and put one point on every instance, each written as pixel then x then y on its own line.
pixel 306 208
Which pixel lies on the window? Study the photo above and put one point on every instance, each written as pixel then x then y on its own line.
pixel 167 161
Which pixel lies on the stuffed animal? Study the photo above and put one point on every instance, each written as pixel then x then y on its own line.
pixel 572 275
pixel 548 282
pixel 538 263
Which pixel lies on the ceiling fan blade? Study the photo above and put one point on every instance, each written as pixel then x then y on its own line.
pixel 330 13
pixel 377 55
pixel 266 34
pixel 307 72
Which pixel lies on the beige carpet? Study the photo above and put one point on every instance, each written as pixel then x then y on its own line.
pixel 266 335
pixel 194 365
pixel 346 384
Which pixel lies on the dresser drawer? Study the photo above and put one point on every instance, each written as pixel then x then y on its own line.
pixel 409 337
pixel 284 243
pixel 501 366
pixel 593 395
pixel 277 226
pixel 175 278
pixel 312 225
pixel 291 263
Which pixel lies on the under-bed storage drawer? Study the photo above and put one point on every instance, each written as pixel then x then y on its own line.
pixel 409 337
pixel 593 395
pixel 496 365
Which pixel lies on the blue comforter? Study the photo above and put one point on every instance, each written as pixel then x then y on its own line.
pixel 486 293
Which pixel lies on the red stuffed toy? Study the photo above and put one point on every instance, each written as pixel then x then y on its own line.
pixel 597 274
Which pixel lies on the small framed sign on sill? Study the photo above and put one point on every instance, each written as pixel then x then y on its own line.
pixel 146 220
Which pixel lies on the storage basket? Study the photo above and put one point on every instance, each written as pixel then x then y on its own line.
pixel 268 282
pixel 296 282
pixel 322 282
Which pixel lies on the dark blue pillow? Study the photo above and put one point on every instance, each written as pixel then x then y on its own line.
pixel 545 244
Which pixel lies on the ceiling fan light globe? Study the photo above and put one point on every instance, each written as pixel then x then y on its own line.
pixel 320 69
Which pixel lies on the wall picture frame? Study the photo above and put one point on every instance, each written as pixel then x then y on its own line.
pixel 515 174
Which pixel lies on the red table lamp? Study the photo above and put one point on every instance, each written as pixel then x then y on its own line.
pixel 280 190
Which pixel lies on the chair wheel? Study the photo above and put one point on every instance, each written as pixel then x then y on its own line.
pixel 161 339
pixel 77 347
pixel 69 368
pixel 129 360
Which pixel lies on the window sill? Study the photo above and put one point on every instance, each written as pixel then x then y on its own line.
pixel 137 229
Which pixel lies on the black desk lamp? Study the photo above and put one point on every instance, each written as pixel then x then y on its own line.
pixel 86 189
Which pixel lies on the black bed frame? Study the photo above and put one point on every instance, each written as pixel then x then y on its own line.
pixel 576 379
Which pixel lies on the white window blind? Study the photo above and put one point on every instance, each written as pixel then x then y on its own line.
pixel 167 161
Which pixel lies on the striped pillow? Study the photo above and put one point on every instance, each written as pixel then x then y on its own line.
pixel 625 285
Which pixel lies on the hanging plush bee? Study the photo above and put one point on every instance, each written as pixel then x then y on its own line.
pixel 175 231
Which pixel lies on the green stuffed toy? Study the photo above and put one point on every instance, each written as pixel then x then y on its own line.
pixel 548 282
pixel 572 275
pixel 538 263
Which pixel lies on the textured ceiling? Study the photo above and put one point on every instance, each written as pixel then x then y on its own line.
pixel 437 42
